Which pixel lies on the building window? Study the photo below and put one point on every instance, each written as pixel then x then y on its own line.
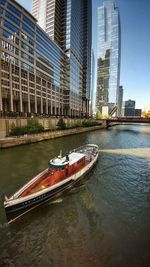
pixel 12 18
pixel 10 47
pixel 11 27
pixel 28 30
pixel 31 77
pixel 27 39
pixel 27 48
pixel 26 67
pixel 11 37
pixel 13 9
pixel 28 21
pixel 2 2
pixel 9 58
pixel 1 10
pixel 24 74
pixel 27 57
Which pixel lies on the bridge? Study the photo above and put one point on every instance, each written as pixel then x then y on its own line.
pixel 119 120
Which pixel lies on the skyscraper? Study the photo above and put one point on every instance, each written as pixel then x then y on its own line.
pixel 68 22
pixel 120 99
pixel 92 94
pixel 32 67
pixel 129 108
pixel 108 54
pixel 49 15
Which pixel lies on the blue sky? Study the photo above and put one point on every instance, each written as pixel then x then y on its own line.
pixel 135 47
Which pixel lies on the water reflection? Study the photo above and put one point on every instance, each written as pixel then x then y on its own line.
pixel 138 152
pixel 102 222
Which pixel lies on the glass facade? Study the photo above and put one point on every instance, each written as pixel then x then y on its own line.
pixel 68 23
pixel 86 52
pixel 49 14
pixel 39 75
pixel 92 94
pixel 129 108
pixel 108 65
pixel 33 76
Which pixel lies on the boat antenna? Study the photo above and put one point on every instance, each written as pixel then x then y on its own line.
pixel 60 154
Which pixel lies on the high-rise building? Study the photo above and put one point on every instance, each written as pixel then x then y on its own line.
pixel 120 99
pixel 138 112
pixel 50 15
pixel 92 94
pixel 129 108
pixel 47 71
pixel 108 56
pixel 68 22
pixel 33 77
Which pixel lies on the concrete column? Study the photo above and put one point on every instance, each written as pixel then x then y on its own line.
pixel 62 107
pixel 20 90
pixel 55 100
pixel 46 98
pixel 51 101
pixel 1 104
pixel 11 93
pixel 29 104
pixel 41 103
pixel 35 94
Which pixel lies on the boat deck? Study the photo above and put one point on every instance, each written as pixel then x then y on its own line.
pixel 52 176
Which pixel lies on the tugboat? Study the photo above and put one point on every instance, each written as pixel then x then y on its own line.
pixel 60 176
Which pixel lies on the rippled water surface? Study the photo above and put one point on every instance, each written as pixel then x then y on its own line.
pixel 104 222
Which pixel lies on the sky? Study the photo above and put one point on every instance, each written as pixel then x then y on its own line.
pixel 135 47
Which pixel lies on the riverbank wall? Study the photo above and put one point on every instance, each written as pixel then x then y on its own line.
pixel 32 138
pixel 50 123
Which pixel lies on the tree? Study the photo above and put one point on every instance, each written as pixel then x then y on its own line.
pixel 61 124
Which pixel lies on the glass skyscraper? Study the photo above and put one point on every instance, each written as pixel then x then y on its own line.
pixel 45 69
pixel 50 15
pixel 92 94
pixel 108 54
pixel 33 76
pixel 68 22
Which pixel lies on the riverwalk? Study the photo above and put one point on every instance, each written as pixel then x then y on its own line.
pixel 32 138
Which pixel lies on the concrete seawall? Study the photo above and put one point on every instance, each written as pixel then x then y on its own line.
pixel 32 138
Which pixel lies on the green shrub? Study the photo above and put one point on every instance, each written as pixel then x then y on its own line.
pixel 32 127
pixel 89 123
pixel 78 124
pixel 61 124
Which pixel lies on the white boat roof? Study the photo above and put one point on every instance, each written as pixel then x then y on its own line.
pixel 75 156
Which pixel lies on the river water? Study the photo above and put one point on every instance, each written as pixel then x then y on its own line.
pixel 105 222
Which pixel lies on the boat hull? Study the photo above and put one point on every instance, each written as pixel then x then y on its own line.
pixel 16 208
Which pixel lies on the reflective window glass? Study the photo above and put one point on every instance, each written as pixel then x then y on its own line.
pixel 9 58
pixel 13 18
pixel 10 47
pixel 28 30
pixel 41 66
pixel 2 2
pixel 46 38
pixel 14 9
pixel 27 48
pixel 46 54
pixel 1 10
pixel 11 37
pixel 27 39
pixel 28 21
pixel 11 27
pixel 26 67
pixel 27 57
pixel 48 47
